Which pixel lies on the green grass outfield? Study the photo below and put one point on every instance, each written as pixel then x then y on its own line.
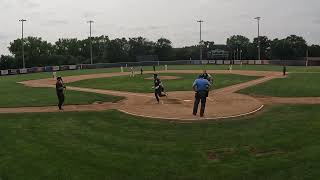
pixel 141 85
pixel 281 143
pixel 13 94
pixel 296 85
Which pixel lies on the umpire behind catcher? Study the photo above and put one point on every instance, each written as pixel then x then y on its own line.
pixel 201 86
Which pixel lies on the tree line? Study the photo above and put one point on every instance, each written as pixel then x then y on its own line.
pixel 66 51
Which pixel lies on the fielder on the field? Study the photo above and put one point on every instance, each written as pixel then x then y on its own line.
pixel 284 70
pixel 60 88
pixel 132 71
pixel 54 75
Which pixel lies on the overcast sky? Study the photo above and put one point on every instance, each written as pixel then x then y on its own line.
pixel 173 19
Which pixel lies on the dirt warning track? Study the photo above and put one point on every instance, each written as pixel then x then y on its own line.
pixel 222 103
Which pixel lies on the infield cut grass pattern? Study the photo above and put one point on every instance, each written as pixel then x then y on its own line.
pixel 295 85
pixel 140 84
pixel 13 94
pixel 282 143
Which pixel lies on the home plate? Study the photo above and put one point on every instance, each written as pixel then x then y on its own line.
pixel 187 100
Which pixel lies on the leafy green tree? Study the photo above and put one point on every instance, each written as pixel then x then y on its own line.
pixel 68 47
pixel 292 47
pixel 140 46
pixel 163 49
pixel 298 45
pixel 265 47
pixel 9 62
pixel 117 50
pixel 239 44
pixel 34 47
pixel 314 51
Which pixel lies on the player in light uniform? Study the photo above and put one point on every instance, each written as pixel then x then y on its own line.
pixel 132 71
pixel 54 75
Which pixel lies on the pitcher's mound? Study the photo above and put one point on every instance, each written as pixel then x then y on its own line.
pixel 165 78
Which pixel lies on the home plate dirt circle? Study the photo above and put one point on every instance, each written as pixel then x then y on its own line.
pixel 179 105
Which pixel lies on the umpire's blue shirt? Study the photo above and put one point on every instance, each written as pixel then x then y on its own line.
pixel 201 85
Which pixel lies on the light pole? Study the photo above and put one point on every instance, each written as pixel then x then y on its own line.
pixel 91 54
pixel 22 40
pixel 200 22
pixel 259 50
pixel 237 53
pixel 307 58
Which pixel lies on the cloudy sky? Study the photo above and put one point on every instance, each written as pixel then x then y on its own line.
pixel 173 19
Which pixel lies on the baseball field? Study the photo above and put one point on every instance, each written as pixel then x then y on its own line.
pixel 258 124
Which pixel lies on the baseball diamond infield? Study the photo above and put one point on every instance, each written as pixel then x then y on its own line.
pixel 222 103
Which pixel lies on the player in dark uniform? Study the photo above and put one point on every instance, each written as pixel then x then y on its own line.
pixel 60 87
pixel 201 86
pixel 284 70
pixel 208 77
pixel 158 88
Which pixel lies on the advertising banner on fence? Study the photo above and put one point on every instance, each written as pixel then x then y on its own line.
pixel 48 68
pixel 196 62
pixel 4 72
pixel 219 61
pixel 212 62
pixel 55 68
pixel 64 68
pixel 13 71
pixel 38 69
pixel 238 62
pixel 227 62
pixel 23 71
pixel 73 67
pixel 258 62
pixel 204 62
pixel 244 61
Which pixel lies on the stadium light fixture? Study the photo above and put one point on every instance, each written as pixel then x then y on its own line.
pixel 200 43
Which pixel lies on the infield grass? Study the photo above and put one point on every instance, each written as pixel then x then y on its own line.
pixel 140 84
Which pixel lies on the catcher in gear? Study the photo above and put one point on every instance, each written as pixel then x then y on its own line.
pixel 208 77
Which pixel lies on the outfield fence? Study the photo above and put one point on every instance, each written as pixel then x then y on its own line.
pixel 159 63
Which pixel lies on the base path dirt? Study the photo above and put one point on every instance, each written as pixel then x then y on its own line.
pixel 222 103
